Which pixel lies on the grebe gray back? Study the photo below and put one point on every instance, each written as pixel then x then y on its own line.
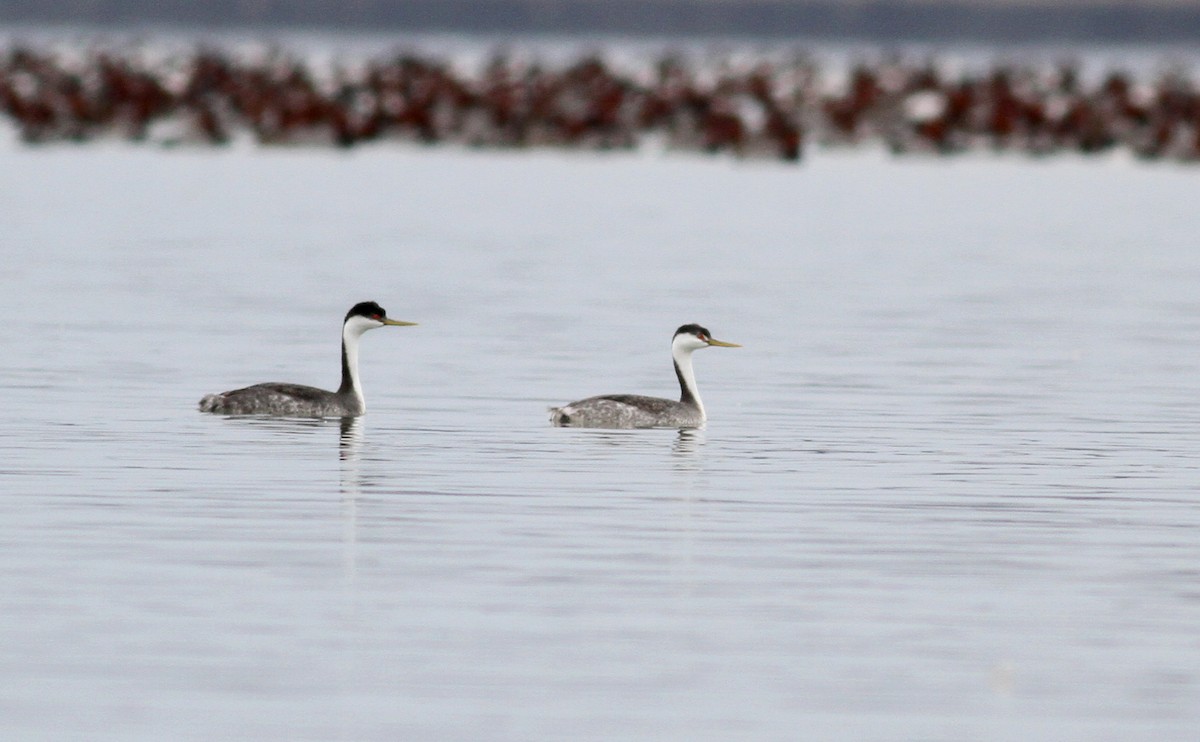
pixel 297 400
pixel 636 411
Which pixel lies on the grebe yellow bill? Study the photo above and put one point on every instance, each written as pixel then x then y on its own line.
pixel 297 400
pixel 636 411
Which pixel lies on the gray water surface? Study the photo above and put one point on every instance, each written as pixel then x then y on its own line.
pixel 948 488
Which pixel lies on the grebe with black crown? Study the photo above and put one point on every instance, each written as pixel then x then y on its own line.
pixel 297 400
pixel 636 411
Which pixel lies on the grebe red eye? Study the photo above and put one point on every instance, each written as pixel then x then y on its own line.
pixel 376 316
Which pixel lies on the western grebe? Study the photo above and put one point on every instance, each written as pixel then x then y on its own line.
pixel 636 411
pixel 297 400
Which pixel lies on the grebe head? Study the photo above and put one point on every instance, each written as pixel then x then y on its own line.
pixel 368 315
pixel 693 337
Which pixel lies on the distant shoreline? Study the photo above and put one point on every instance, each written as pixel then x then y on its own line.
pixel 886 21
pixel 759 107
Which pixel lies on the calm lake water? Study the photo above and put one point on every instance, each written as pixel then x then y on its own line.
pixel 949 489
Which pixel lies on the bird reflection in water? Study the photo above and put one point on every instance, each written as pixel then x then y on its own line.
pixel 686 448
pixel 350 442
pixel 688 442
